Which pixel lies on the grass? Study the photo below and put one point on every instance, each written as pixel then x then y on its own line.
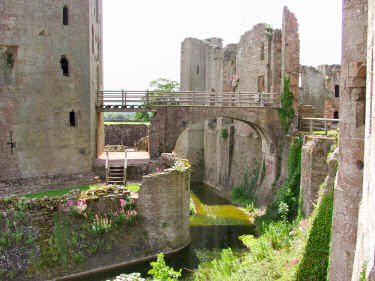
pixel 133 187
pixel 329 133
pixel 126 122
pixel 60 192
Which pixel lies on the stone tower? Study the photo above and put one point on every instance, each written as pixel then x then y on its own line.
pixel 50 71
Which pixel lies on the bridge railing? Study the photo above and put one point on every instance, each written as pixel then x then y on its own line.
pixel 186 98
pixel 319 125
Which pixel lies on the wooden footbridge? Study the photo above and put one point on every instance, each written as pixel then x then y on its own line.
pixel 146 100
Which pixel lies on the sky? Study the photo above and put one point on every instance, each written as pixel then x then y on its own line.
pixel 142 38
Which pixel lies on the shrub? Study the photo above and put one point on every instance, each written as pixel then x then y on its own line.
pixel 245 193
pixel 160 271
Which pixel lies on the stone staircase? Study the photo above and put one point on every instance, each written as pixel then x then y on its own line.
pixel 115 175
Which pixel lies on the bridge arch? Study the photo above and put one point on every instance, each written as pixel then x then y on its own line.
pixel 169 123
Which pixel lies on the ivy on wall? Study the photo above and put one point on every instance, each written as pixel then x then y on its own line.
pixel 286 112
pixel 289 192
pixel 314 265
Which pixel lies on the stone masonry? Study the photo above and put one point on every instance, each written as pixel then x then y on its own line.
pixel 314 169
pixel 125 134
pixel 48 92
pixel 257 60
pixel 348 189
pixel 365 248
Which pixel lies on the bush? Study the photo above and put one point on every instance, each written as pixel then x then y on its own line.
pixel 160 271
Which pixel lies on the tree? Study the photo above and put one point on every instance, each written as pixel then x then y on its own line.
pixel 164 85
pixel 158 85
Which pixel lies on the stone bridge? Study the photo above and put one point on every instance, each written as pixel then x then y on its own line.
pixel 174 112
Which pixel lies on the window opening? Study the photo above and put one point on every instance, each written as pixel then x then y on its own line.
pixel 64 66
pixel 72 118
pixel 197 69
pixel 92 38
pixel 336 115
pixel 337 91
pixel 65 16
pixel 262 51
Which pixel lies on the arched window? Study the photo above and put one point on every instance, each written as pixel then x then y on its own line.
pixel 262 51
pixel 65 16
pixel 64 65
pixel 337 91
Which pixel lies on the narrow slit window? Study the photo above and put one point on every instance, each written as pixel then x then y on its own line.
pixel 64 66
pixel 65 15
pixel 197 69
pixel 262 51
pixel 337 91
pixel 92 38
pixel 72 118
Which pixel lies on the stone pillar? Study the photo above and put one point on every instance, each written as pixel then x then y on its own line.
pixel 314 169
pixel 99 133
pixel 365 249
pixel 157 133
pixel 348 190
pixel 223 153
pixel 290 55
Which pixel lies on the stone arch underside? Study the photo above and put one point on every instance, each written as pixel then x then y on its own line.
pixel 169 122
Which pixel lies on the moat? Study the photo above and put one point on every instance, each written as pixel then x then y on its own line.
pixel 216 226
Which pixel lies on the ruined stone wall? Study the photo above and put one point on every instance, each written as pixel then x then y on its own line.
pixel 224 159
pixel 258 60
pixel 164 202
pixel 190 146
pixel 290 54
pixel 314 169
pixel 348 189
pixel 365 249
pixel 161 224
pixel 206 65
pixel 193 65
pixel 314 91
pixel 38 102
pixel 331 75
pixel 126 134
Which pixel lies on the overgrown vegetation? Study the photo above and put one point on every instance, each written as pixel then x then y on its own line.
pixel 160 271
pixel 314 264
pixel 286 112
pixel 223 132
pixel 244 194
pixel 289 192
pixel 60 192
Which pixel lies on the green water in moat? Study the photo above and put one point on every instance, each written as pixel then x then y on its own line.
pixel 216 226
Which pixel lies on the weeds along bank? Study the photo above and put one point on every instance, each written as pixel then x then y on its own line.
pixel 41 239
pixel 289 246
